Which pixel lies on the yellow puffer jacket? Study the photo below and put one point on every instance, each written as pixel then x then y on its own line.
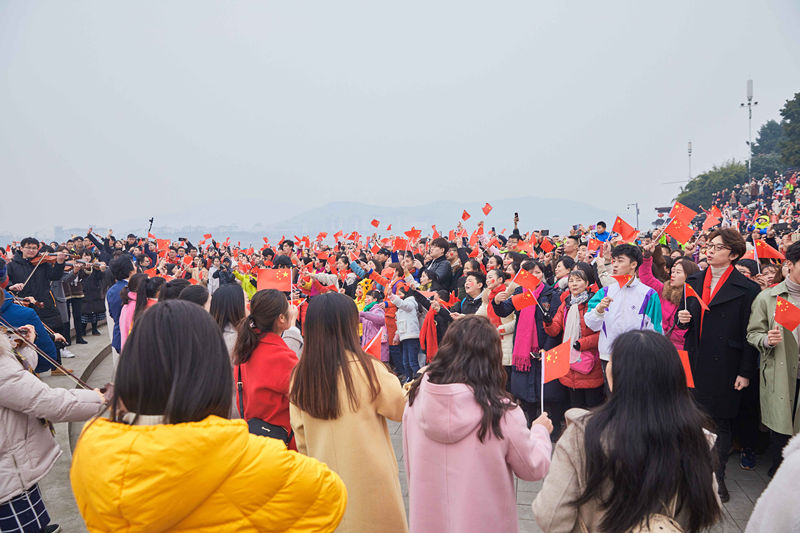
pixel 201 476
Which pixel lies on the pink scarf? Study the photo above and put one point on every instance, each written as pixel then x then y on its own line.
pixel 527 338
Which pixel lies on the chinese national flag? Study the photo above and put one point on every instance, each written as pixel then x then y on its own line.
pixel 623 280
pixel 389 227
pixel 487 209
pixel 338 235
pixel 625 230
pixel 192 281
pixel 593 245
pixel 151 272
pixel 787 314
pixel 710 222
pixel 375 222
pixel 374 346
pixel 207 236
pixel 691 293
pixel 465 215
pixel 413 233
pixel 547 246
pixel 680 230
pixel 682 213
pixel 765 251
pixel 526 279
pixel 436 233
pixel 151 236
pixel 270 278
pixel 475 251
pixel 400 244
pixel 523 300
pixel 687 369
pixel 555 362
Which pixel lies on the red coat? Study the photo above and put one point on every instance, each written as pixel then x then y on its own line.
pixel 265 380
pixel 588 341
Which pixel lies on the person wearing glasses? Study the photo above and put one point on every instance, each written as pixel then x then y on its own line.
pixel 722 361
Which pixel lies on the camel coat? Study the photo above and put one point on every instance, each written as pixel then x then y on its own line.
pixel 357 446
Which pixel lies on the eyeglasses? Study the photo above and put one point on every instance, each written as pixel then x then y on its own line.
pixel 718 247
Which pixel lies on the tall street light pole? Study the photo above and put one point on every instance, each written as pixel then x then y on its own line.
pixel 690 160
pixel 636 205
pixel 750 103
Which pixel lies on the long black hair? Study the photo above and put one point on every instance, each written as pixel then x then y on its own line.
pixel 646 445
pixel 227 305
pixel 471 353
pixel 331 343
pixel 174 364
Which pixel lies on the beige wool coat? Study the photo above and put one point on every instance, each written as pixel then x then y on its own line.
pixel 357 446
pixel 566 480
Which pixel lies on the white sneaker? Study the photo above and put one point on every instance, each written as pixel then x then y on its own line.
pixel 66 354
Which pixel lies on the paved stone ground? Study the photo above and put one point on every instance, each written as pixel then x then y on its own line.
pixel 744 486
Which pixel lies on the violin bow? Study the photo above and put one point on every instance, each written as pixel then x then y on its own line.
pixel 13 330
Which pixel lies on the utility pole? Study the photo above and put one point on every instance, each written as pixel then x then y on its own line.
pixel 690 160
pixel 636 205
pixel 750 103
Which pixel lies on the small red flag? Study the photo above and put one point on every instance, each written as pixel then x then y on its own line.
pixel 162 244
pixel 623 280
pixel 765 251
pixel 682 213
pixel 389 227
pixel 691 293
pixel 487 209
pixel 547 246
pixel 475 251
pixel 465 215
pixel 270 278
pixel 522 300
pixel 375 222
pixel 680 230
pixel 526 279
pixel 787 314
pixel 400 244
pixel 687 369
pixel 151 272
pixel 555 362
pixel 625 230
pixel 593 245
pixel 374 346
pixel 710 222
pixel 207 236
pixel 436 234
pixel 151 236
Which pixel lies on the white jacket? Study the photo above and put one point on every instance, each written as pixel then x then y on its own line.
pixel 406 317
pixel 635 306
pixel 27 448
pixel 776 509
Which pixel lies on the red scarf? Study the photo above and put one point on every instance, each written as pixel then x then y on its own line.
pixel 493 318
pixel 427 335
pixel 708 295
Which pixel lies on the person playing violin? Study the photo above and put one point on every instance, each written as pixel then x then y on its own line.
pixel 30 274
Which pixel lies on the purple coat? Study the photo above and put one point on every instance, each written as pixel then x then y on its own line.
pixel 371 322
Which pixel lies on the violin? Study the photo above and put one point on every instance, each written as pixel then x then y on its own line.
pixel 28 303
pixel 50 258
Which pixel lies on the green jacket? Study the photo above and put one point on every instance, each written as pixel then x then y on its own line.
pixel 778 368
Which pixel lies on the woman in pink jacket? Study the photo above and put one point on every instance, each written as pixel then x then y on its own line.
pixel 671 293
pixel 464 440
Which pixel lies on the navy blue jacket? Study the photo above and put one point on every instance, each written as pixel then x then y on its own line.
pixel 114 309
pixel 17 315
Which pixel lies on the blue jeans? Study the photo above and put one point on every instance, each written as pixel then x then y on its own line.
pixel 396 361
pixel 410 349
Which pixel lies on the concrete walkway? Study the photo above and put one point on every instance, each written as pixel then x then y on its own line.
pixel 744 486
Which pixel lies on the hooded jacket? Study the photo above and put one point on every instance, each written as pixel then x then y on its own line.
pixel 206 476
pixel 455 482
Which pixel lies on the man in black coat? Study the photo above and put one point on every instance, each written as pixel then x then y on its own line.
pixel 440 265
pixel 722 361
pixel 21 269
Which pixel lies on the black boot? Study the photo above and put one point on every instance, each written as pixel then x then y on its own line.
pixel 95 332
pixel 722 490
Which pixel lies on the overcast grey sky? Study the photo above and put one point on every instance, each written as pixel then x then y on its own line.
pixel 113 111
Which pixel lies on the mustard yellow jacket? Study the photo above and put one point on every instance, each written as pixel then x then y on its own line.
pixel 201 476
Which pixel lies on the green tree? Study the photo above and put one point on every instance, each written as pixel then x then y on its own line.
pixel 790 145
pixel 767 164
pixel 769 137
pixel 699 191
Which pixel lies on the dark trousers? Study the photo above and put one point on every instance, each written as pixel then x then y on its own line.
pixel 396 361
pixel 722 447
pixel 75 308
pixel 410 348
pixel 745 425
pixel 586 398
pixel 606 389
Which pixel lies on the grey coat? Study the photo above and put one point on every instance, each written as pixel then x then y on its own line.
pixel 27 447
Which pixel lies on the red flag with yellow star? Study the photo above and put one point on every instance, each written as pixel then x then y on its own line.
pixel 682 213
pixel 487 209
pixel 374 346
pixel 526 279
pixel 623 280
pixel 787 314
pixel 555 362
pixel 271 278
pixel 680 230
pixel 523 300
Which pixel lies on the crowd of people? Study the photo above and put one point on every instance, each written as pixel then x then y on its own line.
pixel 675 359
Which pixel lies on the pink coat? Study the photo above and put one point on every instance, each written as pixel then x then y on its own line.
pixel 456 483
pixel 668 309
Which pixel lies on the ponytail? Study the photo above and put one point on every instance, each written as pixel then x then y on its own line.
pixel 266 307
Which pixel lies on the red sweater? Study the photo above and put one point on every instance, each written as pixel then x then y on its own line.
pixel 265 381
